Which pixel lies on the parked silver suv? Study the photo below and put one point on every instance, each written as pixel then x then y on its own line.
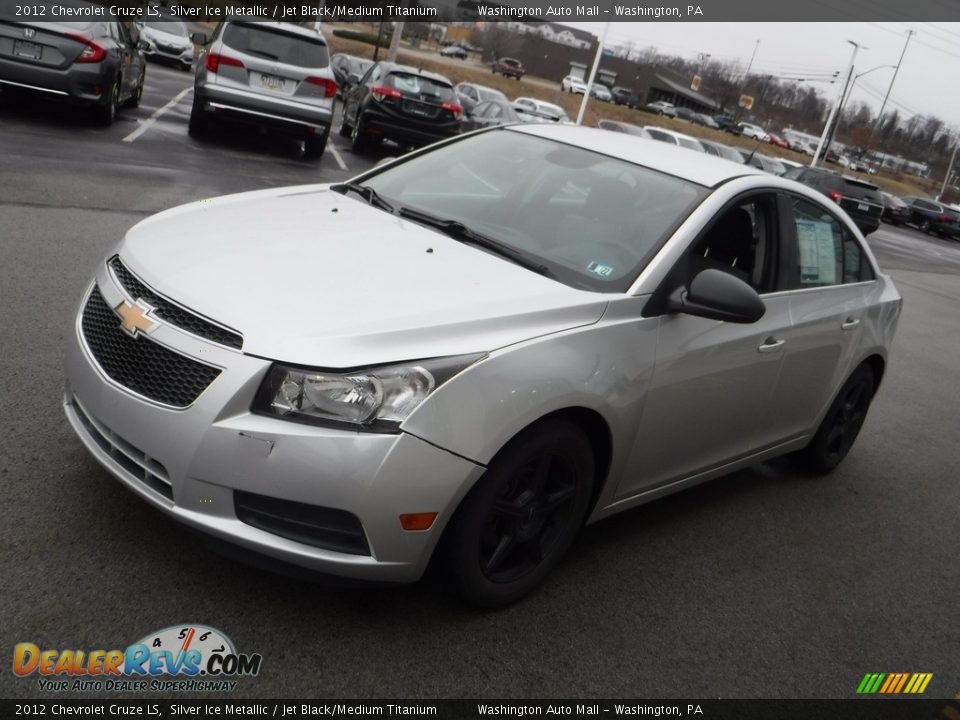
pixel 271 75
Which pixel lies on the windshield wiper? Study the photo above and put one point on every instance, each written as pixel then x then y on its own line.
pixel 261 53
pixel 458 231
pixel 366 192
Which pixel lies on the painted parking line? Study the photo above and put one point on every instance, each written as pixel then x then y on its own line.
pixel 145 125
pixel 336 156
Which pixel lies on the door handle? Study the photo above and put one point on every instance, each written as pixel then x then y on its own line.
pixel 850 323
pixel 771 344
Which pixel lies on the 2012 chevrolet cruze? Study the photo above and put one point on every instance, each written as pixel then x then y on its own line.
pixel 471 351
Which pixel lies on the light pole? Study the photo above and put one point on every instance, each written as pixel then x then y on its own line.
pixel 593 75
pixel 836 105
pixel 843 105
pixel 946 178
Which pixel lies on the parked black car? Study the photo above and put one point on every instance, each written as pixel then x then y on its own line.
pixel 348 69
pixel 623 96
pixel 99 65
pixel 400 103
pixel 490 113
pixel 932 217
pixel 859 198
pixel 685 113
pixel 895 210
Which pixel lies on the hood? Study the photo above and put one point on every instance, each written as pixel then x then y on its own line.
pixel 312 277
pixel 168 38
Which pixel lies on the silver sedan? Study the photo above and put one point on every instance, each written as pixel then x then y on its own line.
pixel 473 350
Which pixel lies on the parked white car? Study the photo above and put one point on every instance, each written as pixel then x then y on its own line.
pixel 573 84
pixel 675 138
pixel 749 130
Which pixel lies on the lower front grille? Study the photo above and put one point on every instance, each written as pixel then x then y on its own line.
pixel 321 527
pixel 134 461
pixel 138 363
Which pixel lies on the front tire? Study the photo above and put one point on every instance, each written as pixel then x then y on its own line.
pixel 523 514
pixel 134 101
pixel 840 426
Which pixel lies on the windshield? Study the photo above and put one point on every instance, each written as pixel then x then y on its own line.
pixel 592 220
pixel 173 27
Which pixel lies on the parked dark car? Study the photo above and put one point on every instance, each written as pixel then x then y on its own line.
pixel 727 124
pixel 508 67
pixel 623 96
pixel 99 65
pixel 403 104
pixel 685 113
pixel 623 127
pixel 859 198
pixel 348 69
pixel 490 113
pixel 469 95
pixel 934 218
pixel 705 120
pixel 895 210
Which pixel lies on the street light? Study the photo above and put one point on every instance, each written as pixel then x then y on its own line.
pixel 836 105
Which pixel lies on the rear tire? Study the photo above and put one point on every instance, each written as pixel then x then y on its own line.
pixel 345 127
pixel 358 137
pixel 199 126
pixel 107 112
pixel 522 516
pixel 840 426
pixel 314 146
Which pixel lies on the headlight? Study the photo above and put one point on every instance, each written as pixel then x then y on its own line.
pixel 377 400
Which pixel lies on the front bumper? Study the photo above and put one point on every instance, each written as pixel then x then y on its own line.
pixel 191 463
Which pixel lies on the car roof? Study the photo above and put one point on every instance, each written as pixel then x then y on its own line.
pixel 696 167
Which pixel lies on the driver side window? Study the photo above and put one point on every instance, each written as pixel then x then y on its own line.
pixel 742 241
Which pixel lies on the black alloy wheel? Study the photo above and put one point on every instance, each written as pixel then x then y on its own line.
pixel 523 514
pixel 840 426
pixel 107 112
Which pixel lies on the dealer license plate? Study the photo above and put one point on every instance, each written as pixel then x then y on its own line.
pixel 27 49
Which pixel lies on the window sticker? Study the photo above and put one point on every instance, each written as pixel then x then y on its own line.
pixel 600 269
pixel 818 256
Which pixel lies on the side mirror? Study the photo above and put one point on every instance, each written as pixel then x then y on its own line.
pixel 199 38
pixel 142 45
pixel 718 295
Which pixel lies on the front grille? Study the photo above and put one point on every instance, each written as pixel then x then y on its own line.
pixel 138 363
pixel 134 461
pixel 321 527
pixel 171 313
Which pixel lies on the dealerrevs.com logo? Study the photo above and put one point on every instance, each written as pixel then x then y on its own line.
pixel 200 658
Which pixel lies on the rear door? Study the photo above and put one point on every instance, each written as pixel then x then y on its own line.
pixel 827 275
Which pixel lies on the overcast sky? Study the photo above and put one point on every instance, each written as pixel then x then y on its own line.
pixel 928 82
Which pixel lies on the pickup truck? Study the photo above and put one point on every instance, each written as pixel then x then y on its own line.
pixel 508 67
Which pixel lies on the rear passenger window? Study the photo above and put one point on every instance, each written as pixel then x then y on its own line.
pixel 277 46
pixel 826 252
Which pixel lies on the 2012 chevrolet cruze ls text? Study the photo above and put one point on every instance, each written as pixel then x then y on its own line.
pixel 471 351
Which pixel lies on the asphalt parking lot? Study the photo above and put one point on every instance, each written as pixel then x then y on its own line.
pixel 765 583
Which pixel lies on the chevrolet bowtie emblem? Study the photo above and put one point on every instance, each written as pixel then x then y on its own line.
pixel 133 318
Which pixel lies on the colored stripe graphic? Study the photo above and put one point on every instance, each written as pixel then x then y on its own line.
pixel 894 683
